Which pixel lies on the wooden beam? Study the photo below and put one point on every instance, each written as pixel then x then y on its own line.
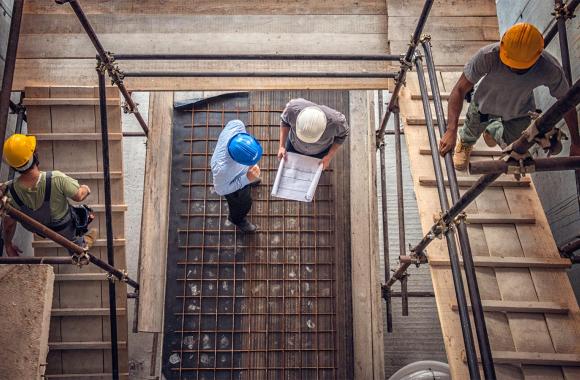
pixel 115 208
pixel 488 218
pixel 521 307
pixel 87 376
pixel 421 121
pixel 470 181
pixel 76 136
pixel 426 151
pixel 366 294
pixel 155 219
pixel 511 262
pixel 94 175
pixel 81 277
pixel 68 102
pixel 535 358
pixel 84 345
pixel 98 243
pixel 85 312
pixel 444 96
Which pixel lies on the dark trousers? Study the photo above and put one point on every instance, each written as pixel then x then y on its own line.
pixel 239 203
pixel 290 148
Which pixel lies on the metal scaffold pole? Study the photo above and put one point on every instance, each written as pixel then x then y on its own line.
pixel 468 265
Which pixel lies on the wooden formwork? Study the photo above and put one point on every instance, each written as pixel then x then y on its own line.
pixel 66 122
pixel 532 316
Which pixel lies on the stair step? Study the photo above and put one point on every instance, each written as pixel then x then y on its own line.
pixel 421 121
pixel 426 151
pixel 81 312
pixel 84 345
pixel 470 181
pixel 98 243
pixel 67 102
pixel 510 262
pixel 488 218
pixel 81 277
pixel 444 96
pixel 93 175
pixel 521 307
pixel 76 136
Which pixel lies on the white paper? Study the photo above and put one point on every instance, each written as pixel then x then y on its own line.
pixel 297 177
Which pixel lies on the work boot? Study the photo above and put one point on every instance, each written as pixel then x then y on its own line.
pixel 461 156
pixel 489 140
pixel 246 226
pixel 90 238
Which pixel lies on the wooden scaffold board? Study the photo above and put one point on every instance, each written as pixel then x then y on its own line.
pixel 79 338
pixel 532 316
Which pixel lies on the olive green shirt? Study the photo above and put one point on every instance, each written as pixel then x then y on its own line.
pixel 63 187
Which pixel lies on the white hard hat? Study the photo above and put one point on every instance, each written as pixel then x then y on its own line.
pixel 310 124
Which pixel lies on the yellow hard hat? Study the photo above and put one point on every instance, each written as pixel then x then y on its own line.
pixel 19 150
pixel 521 46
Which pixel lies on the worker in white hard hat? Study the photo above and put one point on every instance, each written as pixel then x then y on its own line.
pixel 312 130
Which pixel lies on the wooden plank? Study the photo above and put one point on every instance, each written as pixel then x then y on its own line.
pixel 94 175
pixel 114 208
pixel 79 45
pixel 510 262
pixel 398 8
pixel 445 28
pixel 444 96
pixel 535 358
pixel 229 7
pixel 81 72
pixel 76 136
pixel 67 102
pixel 367 311
pixel 85 345
pixel 155 218
pixel 87 376
pixel 474 153
pixel 81 277
pixel 421 121
pixel 500 219
pixel 446 53
pixel 197 23
pixel 470 181
pixel 98 243
pixel 521 307
pixel 78 312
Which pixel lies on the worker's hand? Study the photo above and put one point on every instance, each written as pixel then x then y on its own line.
pixel 574 150
pixel 326 162
pixel 12 250
pixel 447 142
pixel 281 152
pixel 253 173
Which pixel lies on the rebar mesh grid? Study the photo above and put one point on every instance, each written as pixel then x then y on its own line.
pixel 254 306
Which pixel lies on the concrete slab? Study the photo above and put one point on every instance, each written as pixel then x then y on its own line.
pixel 25 305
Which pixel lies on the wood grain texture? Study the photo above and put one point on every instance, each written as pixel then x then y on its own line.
pixel 155 217
pixel 366 293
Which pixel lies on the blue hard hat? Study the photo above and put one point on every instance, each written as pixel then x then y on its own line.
pixel 245 149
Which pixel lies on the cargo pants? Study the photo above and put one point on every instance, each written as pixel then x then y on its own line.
pixel 503 131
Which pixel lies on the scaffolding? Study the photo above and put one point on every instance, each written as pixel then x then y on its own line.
pixel 516 161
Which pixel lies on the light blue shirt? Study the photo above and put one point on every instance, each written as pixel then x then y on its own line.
pixel 228 175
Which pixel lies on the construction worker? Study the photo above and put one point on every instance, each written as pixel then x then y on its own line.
pixel 312 130
pixel 44 196
pixel 234 169
pixel 505 75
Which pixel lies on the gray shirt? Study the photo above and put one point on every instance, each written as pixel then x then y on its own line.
pixel 336 127
pixel 506 94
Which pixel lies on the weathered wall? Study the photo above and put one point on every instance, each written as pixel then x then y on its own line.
pixel 5 17
pixel 557 190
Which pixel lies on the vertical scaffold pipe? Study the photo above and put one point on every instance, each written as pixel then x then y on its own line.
pixel 449 234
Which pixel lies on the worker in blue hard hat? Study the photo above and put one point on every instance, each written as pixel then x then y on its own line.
pixel 235 171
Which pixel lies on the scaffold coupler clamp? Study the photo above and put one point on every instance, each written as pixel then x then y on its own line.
pixel 461 217
pixel 425 37
pixel 562 11
pixel 127 109
pixel 81 259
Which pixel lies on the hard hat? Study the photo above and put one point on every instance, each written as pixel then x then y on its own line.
pixel 310 124
pixel 245 149
pixel 521 46
pixel 19 151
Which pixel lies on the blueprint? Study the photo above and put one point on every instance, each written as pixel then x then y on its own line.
pixel 297 177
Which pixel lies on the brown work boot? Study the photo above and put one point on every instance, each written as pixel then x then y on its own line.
pixel 461 156
pixel 489 140
pixel 90 238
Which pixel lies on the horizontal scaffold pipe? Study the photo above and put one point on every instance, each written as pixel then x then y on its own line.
pixel 188 74
pixel 256 57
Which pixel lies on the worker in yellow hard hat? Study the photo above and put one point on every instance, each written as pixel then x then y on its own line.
pixel 504 76
pixel 43 196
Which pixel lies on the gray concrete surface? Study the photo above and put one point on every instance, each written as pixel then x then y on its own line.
pixel 557 190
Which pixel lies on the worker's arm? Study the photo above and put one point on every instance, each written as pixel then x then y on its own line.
pixel 8 229
pixel 284 130
pixel 455 104
pixel 326 159
pixel 571 118
pixel 82 193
